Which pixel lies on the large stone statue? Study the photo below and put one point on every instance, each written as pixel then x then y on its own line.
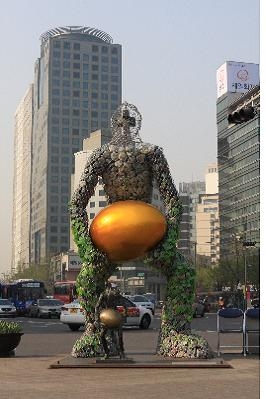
pixel 128 168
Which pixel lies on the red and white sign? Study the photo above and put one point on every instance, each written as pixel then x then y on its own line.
pixel 236 77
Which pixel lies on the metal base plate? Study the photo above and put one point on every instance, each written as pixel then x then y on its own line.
pixel 150 362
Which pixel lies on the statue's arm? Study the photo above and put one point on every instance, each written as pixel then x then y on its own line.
pixel 166 249
pixel 166 186
pixel 78 204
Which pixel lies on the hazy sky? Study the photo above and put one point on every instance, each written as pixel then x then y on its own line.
pixel 171 50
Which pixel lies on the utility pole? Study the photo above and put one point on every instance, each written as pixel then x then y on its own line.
pixel 194 244
pixel 245 245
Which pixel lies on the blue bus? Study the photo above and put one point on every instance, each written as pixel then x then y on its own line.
pixel 22 292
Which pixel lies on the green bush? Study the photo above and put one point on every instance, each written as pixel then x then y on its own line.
pixel 9 327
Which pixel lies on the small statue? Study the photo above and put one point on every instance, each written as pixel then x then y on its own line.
pixel 107 319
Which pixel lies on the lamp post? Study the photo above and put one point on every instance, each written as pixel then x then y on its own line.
pixel 245 245
pixel 194 244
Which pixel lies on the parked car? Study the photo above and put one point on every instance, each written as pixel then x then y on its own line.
pixel 199 309
pixel 72 315
pixel 142 300
pixel 45 308
pixel 7 308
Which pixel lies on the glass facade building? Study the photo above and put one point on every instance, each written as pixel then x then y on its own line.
pixel 239 171
pixel 77 88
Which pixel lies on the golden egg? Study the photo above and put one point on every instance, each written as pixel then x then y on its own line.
pixel 110 318
pixel 126 230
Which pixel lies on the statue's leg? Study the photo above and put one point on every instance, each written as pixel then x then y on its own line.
pixel 90 284
pixel 175 336
pixel 89 287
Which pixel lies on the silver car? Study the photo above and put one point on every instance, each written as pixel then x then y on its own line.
pixel 45 308
pixel 7 308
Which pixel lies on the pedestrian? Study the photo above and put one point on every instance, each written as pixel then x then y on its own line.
pixel 221 302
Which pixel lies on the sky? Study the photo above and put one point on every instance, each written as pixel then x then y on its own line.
pixel 171 51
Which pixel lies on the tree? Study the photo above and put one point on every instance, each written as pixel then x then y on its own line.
pixel 42 272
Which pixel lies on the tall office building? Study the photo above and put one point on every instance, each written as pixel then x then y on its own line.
pixel 189 195
pixel 77 88
pixel 207 220
pixel 22 181
pixel 238 155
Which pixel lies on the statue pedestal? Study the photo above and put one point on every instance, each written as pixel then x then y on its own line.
pixel 146 361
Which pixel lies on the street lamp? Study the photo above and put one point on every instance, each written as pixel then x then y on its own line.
pixel 245 245
pixel 194 243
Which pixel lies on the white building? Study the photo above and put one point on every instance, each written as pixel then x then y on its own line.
pixel 22 181
pixel 207 218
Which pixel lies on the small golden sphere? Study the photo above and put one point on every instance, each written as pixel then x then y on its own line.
pixel 126 230
pixel 110 318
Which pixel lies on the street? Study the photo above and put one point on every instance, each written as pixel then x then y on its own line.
pixel 45 341
pixel 45 337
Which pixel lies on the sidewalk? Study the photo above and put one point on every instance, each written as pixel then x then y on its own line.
pixel 31 378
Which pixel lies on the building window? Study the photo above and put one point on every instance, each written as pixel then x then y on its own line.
pixel 76 46
pixel 54 169
pixel 102 203
pixel 56 92
pixel 92 214
pixel 66 74
pixel 56 72
pixel 56 82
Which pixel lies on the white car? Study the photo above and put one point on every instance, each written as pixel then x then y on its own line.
pixel 7 308
pixel 72 315
pixel 141 300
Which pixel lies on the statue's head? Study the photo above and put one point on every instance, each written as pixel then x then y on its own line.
pixel 126 121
